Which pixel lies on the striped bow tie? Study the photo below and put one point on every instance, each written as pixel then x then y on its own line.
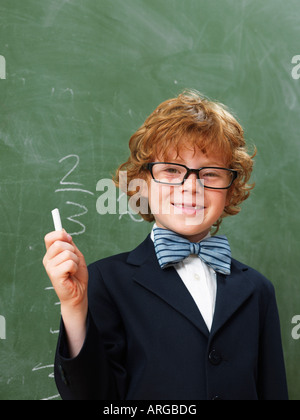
pixel 171 248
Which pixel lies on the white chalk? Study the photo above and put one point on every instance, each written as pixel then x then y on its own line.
pixel 56 220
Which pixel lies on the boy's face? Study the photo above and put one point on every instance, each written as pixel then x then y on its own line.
pixel 189 209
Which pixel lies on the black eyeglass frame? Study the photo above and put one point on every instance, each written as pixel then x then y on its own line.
pixel 191 171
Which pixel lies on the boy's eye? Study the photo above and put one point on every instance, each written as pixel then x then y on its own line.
pixel 172 170
pixel 211 174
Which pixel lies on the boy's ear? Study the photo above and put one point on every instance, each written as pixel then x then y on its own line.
pixel 228 197
pixel 144 186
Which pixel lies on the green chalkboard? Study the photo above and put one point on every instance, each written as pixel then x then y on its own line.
pixel 77 78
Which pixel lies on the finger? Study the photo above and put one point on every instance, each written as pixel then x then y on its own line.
pixel 63 257
pixel 59 260
pixel 58 247
pixel 64 270
pixel 77 251
pixel 52 237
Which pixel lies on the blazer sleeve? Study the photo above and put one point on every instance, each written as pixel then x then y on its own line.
pixel 272 384
pixel 98 372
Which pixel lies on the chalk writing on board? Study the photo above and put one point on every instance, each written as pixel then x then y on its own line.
pixel 73 217
pixel 2 67
pixel 69 185
pixel 62 181
pixel 296 329
pixel 2 328
pixel 296 69
pixel 40 366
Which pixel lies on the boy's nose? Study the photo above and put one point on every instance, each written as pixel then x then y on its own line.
pixel 192 183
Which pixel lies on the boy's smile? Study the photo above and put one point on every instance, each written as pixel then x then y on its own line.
pixel 188 209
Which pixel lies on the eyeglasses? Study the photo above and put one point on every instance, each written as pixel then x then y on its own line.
pixel 175 174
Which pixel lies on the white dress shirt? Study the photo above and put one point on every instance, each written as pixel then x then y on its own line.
pixel 201 282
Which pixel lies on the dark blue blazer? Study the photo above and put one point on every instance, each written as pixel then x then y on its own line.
pixel 147 340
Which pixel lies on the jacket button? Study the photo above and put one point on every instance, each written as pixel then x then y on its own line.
pixel 216 398
pixel 214 357
pixel 63 375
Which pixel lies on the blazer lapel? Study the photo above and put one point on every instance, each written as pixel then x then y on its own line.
pixel 232 292
pixel 166 284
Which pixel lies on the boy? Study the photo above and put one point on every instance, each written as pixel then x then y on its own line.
pixel 176 318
